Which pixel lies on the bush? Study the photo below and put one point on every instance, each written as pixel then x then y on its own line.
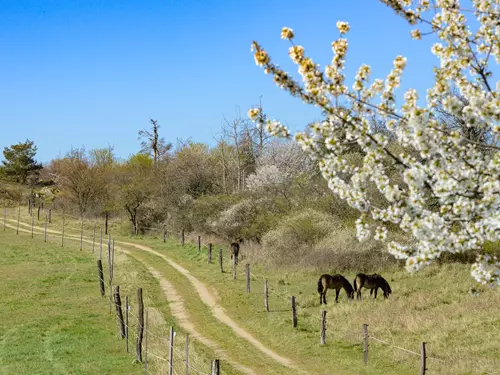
pixel 296 235
pixel 230 223
pixel 10 195
pixel 207 208
pixel 341 251
pixel 313 239
pixel 249 218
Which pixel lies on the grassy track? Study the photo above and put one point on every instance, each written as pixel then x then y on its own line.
pixel 237 348
pixel 461 330
pixel 53 320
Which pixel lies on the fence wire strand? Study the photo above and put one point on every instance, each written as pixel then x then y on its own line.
pixel 75 237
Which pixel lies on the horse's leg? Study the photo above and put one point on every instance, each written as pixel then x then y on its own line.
pixel 324 296
pixel 376 289
pixel 337 292
pixel 360 285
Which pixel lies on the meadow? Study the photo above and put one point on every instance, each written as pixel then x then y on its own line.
pixel 441 305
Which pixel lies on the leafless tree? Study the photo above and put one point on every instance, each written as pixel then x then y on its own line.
pixel 153 144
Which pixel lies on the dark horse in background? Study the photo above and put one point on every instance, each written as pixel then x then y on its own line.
pixel 336 282
pixel 372 282
pixel 235 250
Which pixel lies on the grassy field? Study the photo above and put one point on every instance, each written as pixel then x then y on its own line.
pixel 53 319
pixel 461 329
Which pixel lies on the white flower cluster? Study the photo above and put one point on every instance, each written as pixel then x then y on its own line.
pixel 267 177
pixel 440 187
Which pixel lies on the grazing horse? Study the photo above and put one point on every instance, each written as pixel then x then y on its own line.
pixel 235 250
pixel 336 282
pixel 372 282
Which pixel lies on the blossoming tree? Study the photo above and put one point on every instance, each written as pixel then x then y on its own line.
pixel 459 175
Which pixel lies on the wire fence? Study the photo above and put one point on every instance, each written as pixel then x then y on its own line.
pixel 349 335
pixel 155 335
pixel 285 298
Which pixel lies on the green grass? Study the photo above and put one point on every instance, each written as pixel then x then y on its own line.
pixel 53 319
pixel 435 306
pixel 237 348
pixel 461 330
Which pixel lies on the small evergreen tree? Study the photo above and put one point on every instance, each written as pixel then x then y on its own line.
pixel 20 161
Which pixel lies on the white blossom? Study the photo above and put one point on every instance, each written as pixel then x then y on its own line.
pixel 445 193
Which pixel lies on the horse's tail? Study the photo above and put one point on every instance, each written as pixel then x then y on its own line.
pixel 320 286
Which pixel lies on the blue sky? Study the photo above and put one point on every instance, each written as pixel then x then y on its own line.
pixel 92 73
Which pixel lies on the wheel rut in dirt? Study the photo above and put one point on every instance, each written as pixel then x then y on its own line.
pixel 179 311
pixel 217 311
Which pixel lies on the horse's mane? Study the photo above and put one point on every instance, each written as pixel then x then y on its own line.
pixel 347 285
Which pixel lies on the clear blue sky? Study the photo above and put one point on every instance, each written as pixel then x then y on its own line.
pixel 92 73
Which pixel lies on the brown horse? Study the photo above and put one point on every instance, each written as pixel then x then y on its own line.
pixel 336 282
pixel 372 282
pixel 235 250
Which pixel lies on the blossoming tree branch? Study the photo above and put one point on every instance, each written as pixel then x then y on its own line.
pixel 439 186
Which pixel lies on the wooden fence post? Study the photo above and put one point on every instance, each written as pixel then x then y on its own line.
pixel 62 236
pixel 119 313
pixel 266 296
pixel 45 232
pixel 247 271
pixel 4 217
pixel 171 352
pixel 215 367
pixel 234 267
pixel 38 213
pixel 140 325
pixel 106 224
pixel 93 239
pixel 29 206
pixel 187 354
pixel 423 359
pixel 18 218
pixel 146 346
pixel 110 274
pixel 322 334
pixel 101 277
pixel 182 237
pixel 164 233
pixel 220 261
pixel 100 247
pixel 32 224
pixel 199 245
pixel 81 237
pixel 126 321
pixel 294 313
pixel 50 215
pixel 209 256
pixel 365 343
pixel 113 258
